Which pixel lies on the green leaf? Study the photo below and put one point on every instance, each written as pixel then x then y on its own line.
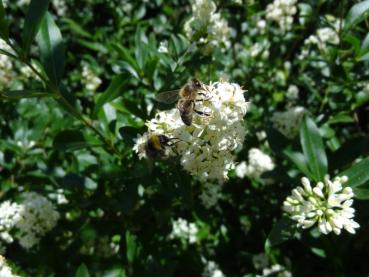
pixel 361 193
pixel 36 12
pixel 4 26
pixel 6 53
pixel 356 14
pixel 52 49
pixel 131 246
pixel 313 148
pixel 364 49
pixel 76 28
pixel 19 94
pixel 299 160
pixel 129 134
pixel 358 174
pixel 82 271
pixel 282 231
pixel 112 92
pixel 69 140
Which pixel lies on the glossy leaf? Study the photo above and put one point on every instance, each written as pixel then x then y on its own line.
pixel 361 193
pixel 112 92
pixel 19 94
pixel 4 25
pixel 82 271
pixel 356 14
pixel 313 148
pixel 69 140
pixel 282 231
pixel 52 49
pixel 299 160
pixel 36 12
pixel 131 246
pixel 364 49
pixel 358 174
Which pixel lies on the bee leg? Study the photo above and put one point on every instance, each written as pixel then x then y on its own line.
pixel 201 113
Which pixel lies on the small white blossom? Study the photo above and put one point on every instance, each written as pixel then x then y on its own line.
pixel 258 163
pixel 275 270
pixel 206 21
pixel 288 122
pixel 104 247
pixel 282 12
pixel 163 47
pixel 210 195
pixel 212 270
pixel 5 270
pixel 185 231
pixel 206 146
pixel 6 65
pixel 328 205
pixel 292 92
pixel 90 79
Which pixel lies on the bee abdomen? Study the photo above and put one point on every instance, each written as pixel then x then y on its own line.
pixel 186 118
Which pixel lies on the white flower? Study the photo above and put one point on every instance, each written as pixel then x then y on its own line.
pixel 32 219
pixel 5 270
pixel 328 205
pixel 163 47
pixel 210 195
pixel 206 146
pixel 186 232
pixel 282 12
pixel 258 163
pixel 207 22
pixel 212 270
pixel 276 270
pixel 292 92
pixel 6 65
pixel 241 170
pixel 288 122
pixel 90 79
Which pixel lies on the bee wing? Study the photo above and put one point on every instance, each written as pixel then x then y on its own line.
pixel 168 97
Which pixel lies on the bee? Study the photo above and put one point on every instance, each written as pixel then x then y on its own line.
pixel 187 98
pixel 155 146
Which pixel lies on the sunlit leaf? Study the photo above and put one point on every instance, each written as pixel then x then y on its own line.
pixel 52 50
pixel 313 148
pixel 358 174
pixel 36 12
pixel 356 14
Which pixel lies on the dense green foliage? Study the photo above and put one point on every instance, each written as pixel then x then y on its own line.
pixel 70 129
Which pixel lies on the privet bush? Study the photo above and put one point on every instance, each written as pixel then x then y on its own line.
pixel 269 177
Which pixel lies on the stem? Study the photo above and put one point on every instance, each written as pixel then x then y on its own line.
pixel 108 146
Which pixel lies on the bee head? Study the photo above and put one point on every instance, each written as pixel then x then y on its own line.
pixel 196 83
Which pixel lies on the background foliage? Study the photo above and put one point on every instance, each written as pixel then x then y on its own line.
pixel 71 129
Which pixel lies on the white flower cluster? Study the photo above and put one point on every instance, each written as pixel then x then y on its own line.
pixel 206 146
pixel 328 204
pixel 211 27
pixel 6 66
pixel 90 79
pixel 321 39
pixel 282 12
pixel 258 163
pixel 186 232
pixel 210 195
pixel 5 270
pixel 30 220
pixel 288 122
pixel 212 270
